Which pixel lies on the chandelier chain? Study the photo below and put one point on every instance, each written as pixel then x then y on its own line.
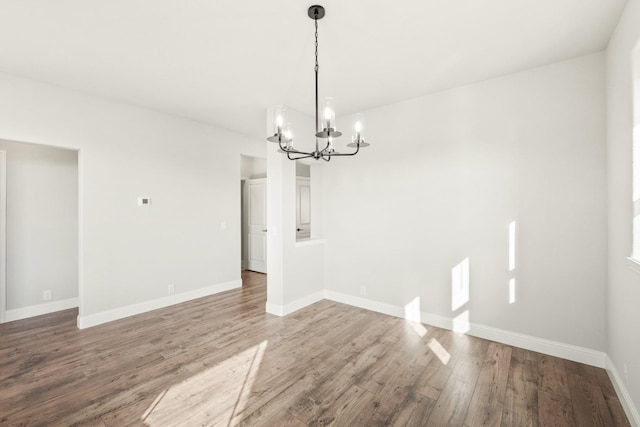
pixel 315 69
pixel 317 66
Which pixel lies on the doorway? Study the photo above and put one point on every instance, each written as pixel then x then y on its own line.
pixel 38 191
pixel 253 195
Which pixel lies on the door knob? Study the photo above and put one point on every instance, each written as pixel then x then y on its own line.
pixel 264 230
pixel 298 229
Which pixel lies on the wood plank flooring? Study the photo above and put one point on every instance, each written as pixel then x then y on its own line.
pixel 221 360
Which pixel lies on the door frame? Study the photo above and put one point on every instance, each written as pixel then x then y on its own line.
pixel 3 235
pixel 4 301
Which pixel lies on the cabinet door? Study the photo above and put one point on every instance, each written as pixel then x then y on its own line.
pixel 303 208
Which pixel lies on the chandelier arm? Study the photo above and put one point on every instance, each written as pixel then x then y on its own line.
pixel 280 144
pixel 295 151
pixel 325 148
pixel 346 154
pixel 290 150
pixel 307 155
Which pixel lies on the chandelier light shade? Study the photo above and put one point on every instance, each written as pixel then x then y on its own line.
pixel 357 132
pixel 278 119
pixel 326 128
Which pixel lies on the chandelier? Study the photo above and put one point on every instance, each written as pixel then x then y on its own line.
pixel 326 130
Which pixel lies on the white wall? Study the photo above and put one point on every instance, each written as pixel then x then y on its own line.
pixel 246 167
pixel 303 169
pixel 295 270
pixel 191 171
pixel 445 176
pixel 42 224
pixel 253 167
pixel 624 281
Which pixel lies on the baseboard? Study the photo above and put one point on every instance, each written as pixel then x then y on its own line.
pixel 275 309
pixel 623 394
pixel 40 309
pixel 365 303
pixel 283 310
pixel 541 345
pixel 143 307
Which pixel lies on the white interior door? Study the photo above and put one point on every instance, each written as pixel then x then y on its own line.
pixel 257 225
pixel 303 208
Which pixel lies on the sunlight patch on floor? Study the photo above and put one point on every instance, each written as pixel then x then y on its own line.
pixel 439 351
pixel 419 329
pixel 211 397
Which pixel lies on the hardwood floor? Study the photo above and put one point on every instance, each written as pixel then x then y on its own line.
pixel 221 360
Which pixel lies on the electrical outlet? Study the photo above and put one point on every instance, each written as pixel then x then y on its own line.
pixel 363 290
pixel 171 289
pixel 223 225
pixel 625 371
pixel 46 295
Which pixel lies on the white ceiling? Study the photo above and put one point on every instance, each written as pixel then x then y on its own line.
pixel 224 61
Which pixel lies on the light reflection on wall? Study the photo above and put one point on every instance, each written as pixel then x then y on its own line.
pixel 413 315
pixel 460 284
pixel 460 295
pixel 512 246
pixel 461 322
pixel 512 262
pixel 512 290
